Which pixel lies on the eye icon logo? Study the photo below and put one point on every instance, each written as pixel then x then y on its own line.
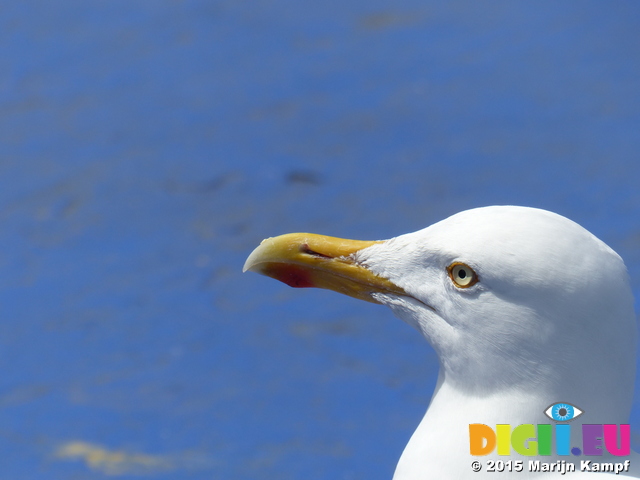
pixel 563 412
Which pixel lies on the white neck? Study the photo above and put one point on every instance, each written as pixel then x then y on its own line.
pixel 439 448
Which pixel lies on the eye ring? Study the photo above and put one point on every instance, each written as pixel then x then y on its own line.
pixel 462 275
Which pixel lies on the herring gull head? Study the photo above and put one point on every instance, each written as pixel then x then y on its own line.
pixel 523 307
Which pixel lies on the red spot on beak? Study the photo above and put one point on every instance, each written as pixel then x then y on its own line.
pixel 292 275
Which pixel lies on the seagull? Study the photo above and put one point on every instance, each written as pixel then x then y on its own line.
pixel 524 308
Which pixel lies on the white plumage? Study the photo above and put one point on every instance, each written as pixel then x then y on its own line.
pixel 541 312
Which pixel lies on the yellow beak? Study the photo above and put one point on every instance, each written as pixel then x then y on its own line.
pixel 309 260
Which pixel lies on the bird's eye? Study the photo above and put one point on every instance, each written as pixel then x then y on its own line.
pixel 462 275
pixel 562 412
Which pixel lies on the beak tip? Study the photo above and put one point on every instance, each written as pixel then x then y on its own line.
pixel 250 262
pixel 248 267
pixel 255 257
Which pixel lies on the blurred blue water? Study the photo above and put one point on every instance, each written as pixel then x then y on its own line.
pixel 146 148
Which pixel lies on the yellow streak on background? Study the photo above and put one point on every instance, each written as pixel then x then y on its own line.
pixel 112 462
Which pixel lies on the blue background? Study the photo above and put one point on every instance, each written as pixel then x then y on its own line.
pixel 147 147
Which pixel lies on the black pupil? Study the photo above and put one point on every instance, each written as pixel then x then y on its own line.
pixel 462 273
pixel 562 412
